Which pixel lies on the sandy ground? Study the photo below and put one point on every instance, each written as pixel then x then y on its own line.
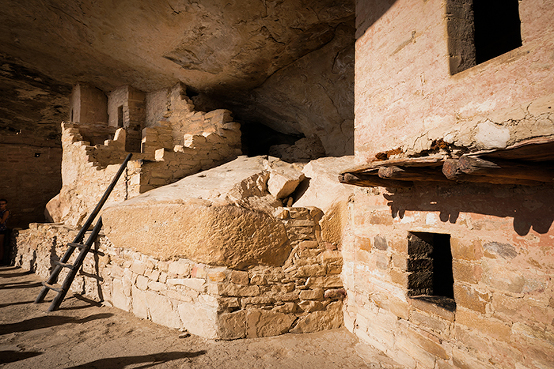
pixel 84 334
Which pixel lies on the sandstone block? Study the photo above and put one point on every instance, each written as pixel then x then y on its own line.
pixel 259 279
pixel 466 360
pixel 486 325
pixel 239 277
pixel 286 308
pixel 138 267
pixel 335 294
pixel 196 284
pixel 199 319
pixel 237 290
pixel 470 298
pixel 466 272
pixel 283 179
pixel 310 306
pixel 287 297
pixel 217 276
pixel 427 341
pixel 262 323
pixel 315 294
pixel 157 286
pixel 432 308
pixel 313 270
pixel 330 318
pixel 161 310
pixel 498 249
pixel 333 281
pixel 179 296
pixel 198 271
pixel 256 301
pixel 228 302
pixel 119 299
pixel 140 307
pixel 232 325
pixel 432 322
pixel 245 236
pixel 414 351
pixel 462 249
pixel 142 282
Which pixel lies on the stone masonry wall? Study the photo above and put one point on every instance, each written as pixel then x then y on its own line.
pixel 407 98
pixel 501 241
pixel 87 169
pixel 303 295
pixel 88 105
pixel 24 163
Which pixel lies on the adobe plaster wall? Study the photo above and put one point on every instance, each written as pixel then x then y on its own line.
pixel 407 98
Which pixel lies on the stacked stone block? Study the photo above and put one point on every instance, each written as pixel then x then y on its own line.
pixel 90 168
pixel 303 295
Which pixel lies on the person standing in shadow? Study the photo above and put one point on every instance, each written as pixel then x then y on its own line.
pixel 4 215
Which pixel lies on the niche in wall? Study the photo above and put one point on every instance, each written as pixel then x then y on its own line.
pixel 430 268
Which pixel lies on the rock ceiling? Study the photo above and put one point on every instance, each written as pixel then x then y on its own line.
pixel 287 64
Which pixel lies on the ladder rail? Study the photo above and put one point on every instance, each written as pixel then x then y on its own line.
pixel 65 258
pixel 76 265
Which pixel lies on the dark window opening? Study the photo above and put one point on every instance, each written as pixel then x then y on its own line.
pixel 71 118
pixel 497 28
pixel 120 116
pixel 430 268
pixel 481 30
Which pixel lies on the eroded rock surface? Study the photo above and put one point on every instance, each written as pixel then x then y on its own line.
pixel 222 216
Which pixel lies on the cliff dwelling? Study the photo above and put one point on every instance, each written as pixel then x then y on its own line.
pixel 292 167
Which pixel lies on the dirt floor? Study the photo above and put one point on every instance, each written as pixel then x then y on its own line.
pixel 85 334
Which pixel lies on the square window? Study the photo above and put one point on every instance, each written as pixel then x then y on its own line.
pixel 481 30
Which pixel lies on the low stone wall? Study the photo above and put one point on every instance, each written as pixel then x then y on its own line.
pixel 303 295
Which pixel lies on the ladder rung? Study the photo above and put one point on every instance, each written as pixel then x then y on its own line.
pixel 53 287
pixel 77 245
pixel 64 265
pixel 82 245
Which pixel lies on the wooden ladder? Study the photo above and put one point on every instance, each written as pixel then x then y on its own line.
pixel 84 248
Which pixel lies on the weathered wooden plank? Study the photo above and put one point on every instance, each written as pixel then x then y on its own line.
pixel 358 179
pixel 417 174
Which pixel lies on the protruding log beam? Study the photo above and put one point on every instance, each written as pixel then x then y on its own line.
pixel 454 170
pixel 541 172
pixel 359 179
pixel 419 174
pixel 451 169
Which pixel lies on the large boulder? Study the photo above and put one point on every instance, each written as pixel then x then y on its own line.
pixel 222 216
